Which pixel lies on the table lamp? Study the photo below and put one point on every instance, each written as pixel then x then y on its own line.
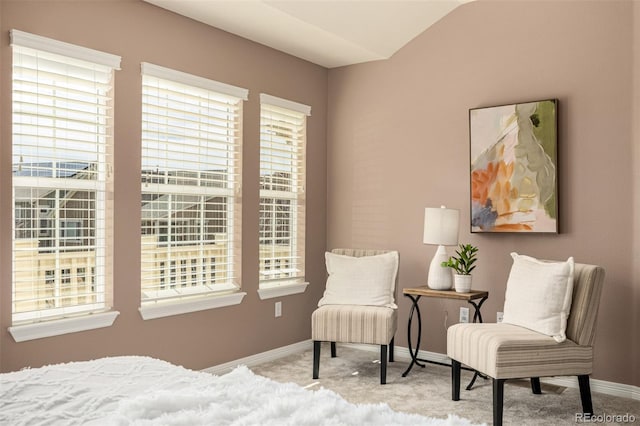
pixel 441 228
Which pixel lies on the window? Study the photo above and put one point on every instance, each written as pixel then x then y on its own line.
pixel 62 144
pixel 282 192
pixel 191 171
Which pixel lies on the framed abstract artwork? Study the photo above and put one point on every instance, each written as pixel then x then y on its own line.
pixel 514 180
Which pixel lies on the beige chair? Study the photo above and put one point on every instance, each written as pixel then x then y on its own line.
pixel 504 351
pixel 374 325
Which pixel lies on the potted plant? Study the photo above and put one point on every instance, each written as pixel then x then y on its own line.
pixel 463 264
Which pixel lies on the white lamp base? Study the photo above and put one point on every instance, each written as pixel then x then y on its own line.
pixel 440 277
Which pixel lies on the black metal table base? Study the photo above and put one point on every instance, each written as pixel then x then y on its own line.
pixel 415 309
pixel 473 379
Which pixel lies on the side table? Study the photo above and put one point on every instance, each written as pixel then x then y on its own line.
pixel 415 294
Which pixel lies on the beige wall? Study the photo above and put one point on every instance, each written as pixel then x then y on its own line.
pixel 5 205
pixel 398 142
pixel 141 32
pixel 636 182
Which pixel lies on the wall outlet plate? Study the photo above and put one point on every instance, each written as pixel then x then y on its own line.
pixel 464 314
pixel 499 316
pixel 278 309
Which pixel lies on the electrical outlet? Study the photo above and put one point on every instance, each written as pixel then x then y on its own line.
pixel 499 316
pixel 464 314
pixel 278 309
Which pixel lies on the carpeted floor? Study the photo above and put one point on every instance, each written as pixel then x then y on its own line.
pixel 354 374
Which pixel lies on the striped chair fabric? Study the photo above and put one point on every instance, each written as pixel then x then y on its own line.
pixel 354 323
pixel 504 351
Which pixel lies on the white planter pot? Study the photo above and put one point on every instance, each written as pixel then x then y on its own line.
pixel 462 283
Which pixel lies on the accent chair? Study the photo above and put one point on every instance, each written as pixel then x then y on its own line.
pixel 354 322
pixel 506 351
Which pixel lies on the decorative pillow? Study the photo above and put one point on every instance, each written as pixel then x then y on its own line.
pixel 538 295
pixel 367 280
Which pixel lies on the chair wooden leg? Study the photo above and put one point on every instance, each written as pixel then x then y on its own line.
pixel 333 349
pixel 455 380
pixel 383 364
pixel 535 385
pixel 316 358
pixel 498 400
pixel 391 345
pixel 585 394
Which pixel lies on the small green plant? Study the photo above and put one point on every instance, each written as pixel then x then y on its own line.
pixel 463 264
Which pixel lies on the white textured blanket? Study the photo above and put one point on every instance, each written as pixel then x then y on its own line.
pixel 147 391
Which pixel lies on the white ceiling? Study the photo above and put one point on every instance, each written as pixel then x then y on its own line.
pixel 330 33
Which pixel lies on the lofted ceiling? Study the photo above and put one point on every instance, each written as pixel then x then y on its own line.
pixel 331 33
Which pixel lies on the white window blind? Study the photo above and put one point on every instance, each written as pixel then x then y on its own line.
pixel 282 190
pixel 191 175
pixel 62 145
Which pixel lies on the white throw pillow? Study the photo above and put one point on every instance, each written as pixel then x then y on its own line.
pixel 538 295
pixel 367 280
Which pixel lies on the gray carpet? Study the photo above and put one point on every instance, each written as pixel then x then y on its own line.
pixel 354 374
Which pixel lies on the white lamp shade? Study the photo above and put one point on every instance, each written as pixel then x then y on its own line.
pixel 441 226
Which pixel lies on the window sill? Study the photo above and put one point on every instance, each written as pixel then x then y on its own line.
pixel 280 290
pixel 167 309
pixel 22 333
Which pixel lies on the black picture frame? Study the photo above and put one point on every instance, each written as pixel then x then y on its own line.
pixel 514 167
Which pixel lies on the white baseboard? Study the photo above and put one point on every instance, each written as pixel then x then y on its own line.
pixel 260 358
pixel 601 386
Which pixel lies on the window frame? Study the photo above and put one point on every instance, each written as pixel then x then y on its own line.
pixel 295 198
pixel 175 293
pixel 67 59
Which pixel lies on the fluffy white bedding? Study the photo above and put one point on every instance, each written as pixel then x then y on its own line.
pixel 147 391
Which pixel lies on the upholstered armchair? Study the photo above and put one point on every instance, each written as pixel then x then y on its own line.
pixel 507 351
pixel 358 305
